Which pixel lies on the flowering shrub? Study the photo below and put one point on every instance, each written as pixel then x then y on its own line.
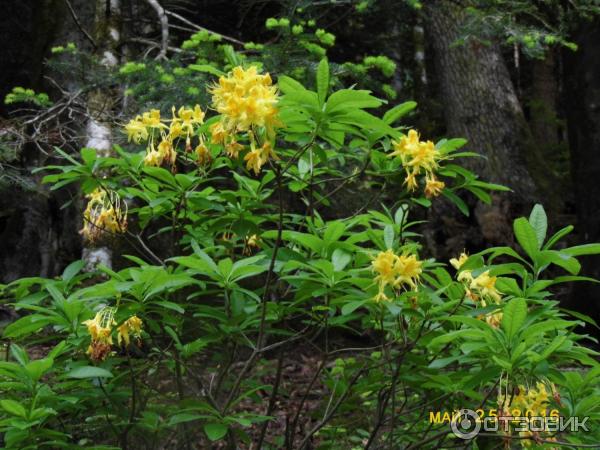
pixel 239 271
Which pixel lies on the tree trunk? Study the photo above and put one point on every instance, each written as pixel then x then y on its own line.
pixel 480 100
pixel 480 104
pixel 101 103
pixel 582 101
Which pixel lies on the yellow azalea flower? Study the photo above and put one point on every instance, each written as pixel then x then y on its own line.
pixel 406 146
pixel 189 118
pixel 417 157
pixel 136 130
pixel 175 130
pixel 103 214
pixel 251 243
pixel 424 157
pixel 486 286
pixel 233 149
pixel 197 115
pixel 256 158
pixel 166 150
pixel 408 270
pixel 457 263
pixel 268 152
pixel 395 271
pixel 131 327
pixel 218 133
pixel 254 161
pixel 384 266
pixel 153 158
pixel 246 98
pixel 100 330
pixel 152 119
pixel 433 187
pixel 203 155
pixel 494 319
pixel 411 182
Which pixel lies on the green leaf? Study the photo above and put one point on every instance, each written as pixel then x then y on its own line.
pixel 556 343
pixel 72 269
pixel 539 222
pixel 537 330
pixel 460 204
pixel 26 326
pixel 340 259
pixel 345 99
pixel 35 369
pixel 526 237
pixel 206 68
pixel 215 431
pixel 161 174
pixel 398 112
pixel 388 236
pixel 288 85
pixel 170 305
pixel 514 315
pixel 580 250
pixel 558 236
pixel 349 308
pixel 89 372
pixel 232 57
pixel 89 156
pixel 322 80
pixel 14 408
pixel 560 259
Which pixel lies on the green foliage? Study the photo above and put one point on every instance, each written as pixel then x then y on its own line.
pixel 254 265
pixel 22 95
pixel 533 27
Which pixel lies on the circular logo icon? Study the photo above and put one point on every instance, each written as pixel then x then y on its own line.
pixel 465 425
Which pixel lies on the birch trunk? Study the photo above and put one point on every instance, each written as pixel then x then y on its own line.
pixel 101 104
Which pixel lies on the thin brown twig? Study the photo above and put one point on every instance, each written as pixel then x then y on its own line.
pixel 199 28
pixel 79 25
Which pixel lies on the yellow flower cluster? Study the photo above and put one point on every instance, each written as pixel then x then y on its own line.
pixel 395 271
pixel 100 330
pixel 131 327
pixel 103 214
pixel 532 402
pixel 247 103
pixel 163 135
pixel 419 157
pixel 257 157
pixel 481 288
pixel 251 242
pixel 246 99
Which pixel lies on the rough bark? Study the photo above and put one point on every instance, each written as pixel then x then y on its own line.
pixel 543 104
pixel 582 101
pixel 479 99
pixel 480 104
pixel 37 238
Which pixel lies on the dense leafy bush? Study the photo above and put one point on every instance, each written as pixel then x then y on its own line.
pixel 185 346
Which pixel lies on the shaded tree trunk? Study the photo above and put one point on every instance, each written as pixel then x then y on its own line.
pixel 480 100
pixel 582 101
pixel 36 237
pixel 480 104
